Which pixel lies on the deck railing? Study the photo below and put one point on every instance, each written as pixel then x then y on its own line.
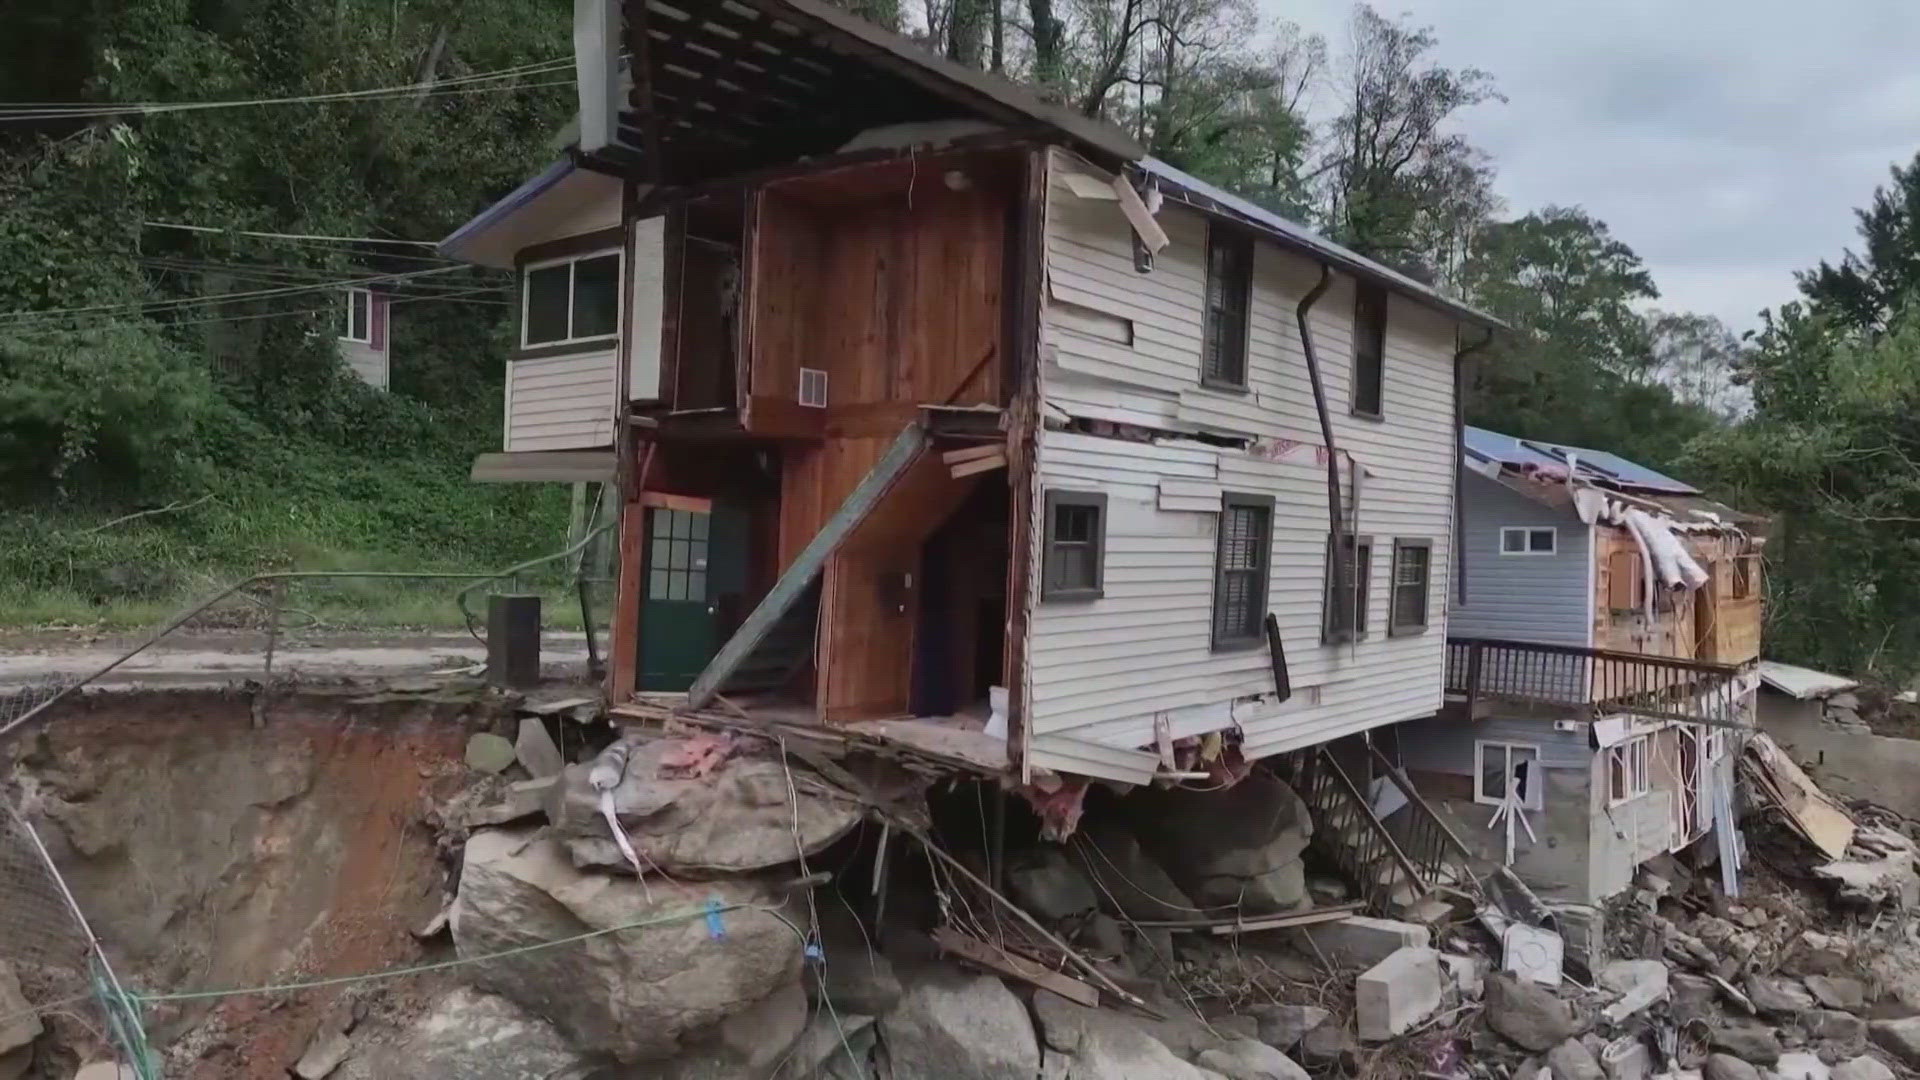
pixel 1594 682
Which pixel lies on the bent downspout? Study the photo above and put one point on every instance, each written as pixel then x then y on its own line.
pixel 1460 462
pixel 1326 430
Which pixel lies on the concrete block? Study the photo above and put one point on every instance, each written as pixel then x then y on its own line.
pixel 1362 941
pixel 1397 993
pixel 1469 975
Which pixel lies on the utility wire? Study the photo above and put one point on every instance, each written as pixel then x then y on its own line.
pixel 287 236
pixel 8 317
pixel 457 84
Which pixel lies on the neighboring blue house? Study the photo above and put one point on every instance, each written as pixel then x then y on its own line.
pixel 1601 646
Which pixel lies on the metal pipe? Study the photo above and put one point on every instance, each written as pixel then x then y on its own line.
pixel 1334 515
pixel 1460 461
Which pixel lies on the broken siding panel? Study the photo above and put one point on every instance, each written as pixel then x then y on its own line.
pixel 1540 598
pixel 1102 669
pixel 561 402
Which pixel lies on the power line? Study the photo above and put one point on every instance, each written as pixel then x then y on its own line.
pixel 287 236
pixel 13 317
pixel 272 274
pixel 457 84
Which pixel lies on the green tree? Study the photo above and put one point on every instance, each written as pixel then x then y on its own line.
pixel 1865 290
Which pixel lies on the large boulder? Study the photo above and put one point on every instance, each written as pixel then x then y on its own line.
pixel 1777 998
pixel 1752 1043
pixel 748 1045
pixel 1046 881
pixel 474 1036
pixel 670 973
pixel 1899 1038
pixel 1250 1059
pixel 1130 883
pixel 960 1027
pixel 735 816
pixel 1094 1044
pixel 1238 846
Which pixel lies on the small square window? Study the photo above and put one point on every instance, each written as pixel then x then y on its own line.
pixel 1528 540
pixel 1504 769
pixel 1075 548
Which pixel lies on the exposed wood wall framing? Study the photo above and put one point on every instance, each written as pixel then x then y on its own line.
pixel 1710 623
pixel 1026 302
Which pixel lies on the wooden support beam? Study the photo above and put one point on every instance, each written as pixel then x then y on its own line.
pixel 807 565
pixel 973 453
pixel 975 951
pixel 623 640
pixel 979 465
pixel 663 500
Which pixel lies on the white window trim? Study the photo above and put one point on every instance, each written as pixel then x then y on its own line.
pixel 620 281
pixel 346 332
pixel 1536 797
pixel 1637 785
pixel 1526 540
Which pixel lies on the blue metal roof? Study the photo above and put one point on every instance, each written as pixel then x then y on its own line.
pixel 1493 446
pixel 454 246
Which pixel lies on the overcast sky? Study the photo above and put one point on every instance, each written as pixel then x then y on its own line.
pixel 1727 141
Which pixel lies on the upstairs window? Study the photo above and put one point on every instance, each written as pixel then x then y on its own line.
pixel 1629 773
pixel 1344 617
pixel 1075 546
pixel 359 326
pixel 1229 293
pixel 1240 571
pixel 1369 350
pixel 571 300
pixel 1527 540
pixel 1412 569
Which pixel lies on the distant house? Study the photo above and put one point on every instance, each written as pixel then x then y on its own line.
pixel 364 336
pixel 1602 649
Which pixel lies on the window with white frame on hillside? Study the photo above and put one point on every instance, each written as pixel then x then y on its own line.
pixel 1503 770
pixel 1528 540
pixel 359 317
pixel 1629 769
pixel 570 300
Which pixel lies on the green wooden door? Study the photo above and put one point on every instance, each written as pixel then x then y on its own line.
pixel 677 613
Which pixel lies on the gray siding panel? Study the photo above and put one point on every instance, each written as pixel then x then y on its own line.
pixel 1446 746
pixel 1540 598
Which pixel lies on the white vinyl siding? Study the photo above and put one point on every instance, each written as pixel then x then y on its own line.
pixel 365 361
pixel 561 402
pixel 1100 672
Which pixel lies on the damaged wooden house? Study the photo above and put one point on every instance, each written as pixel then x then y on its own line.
pixel 1601 665
pixel 947 418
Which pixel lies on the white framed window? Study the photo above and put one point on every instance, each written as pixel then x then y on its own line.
pixel 1529 540
pixel 568 300
pixel 1629 771
pixel 1503 768
pixel 359 317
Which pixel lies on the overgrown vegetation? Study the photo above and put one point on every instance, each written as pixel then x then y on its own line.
pixel 123 389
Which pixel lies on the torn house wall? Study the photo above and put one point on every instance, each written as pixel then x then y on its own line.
pixel 1124 346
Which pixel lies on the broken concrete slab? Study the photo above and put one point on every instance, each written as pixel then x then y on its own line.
pixel 1250 1059
pixel 323 1055
pixel 536 749
pixel 489 753
pixel 1362 941
pixel 1862 1068
pixel 1888 880
pixel 1752 1043
pixel 1527 1014
pixel 1078 1043
pixel 964 1027
pixel 1284 1026
pixel 1801 1066
pixel 1571 1060
pixel 1778 999
pixel 1639 983
pixel 1467 973
pixel 1397 993
pixel 633 995
pixel 1899 1038
pixel 1838 992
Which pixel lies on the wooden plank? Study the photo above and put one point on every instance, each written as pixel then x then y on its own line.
pixel 673 241
pixel 623 638
pixel 784 418
pixel 663 500
pixel 1022 374
pixel 979 952
pixel 807 565
pixel 979 465
pixel 972 453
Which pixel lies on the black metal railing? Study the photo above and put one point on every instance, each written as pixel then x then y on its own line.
pixel 1345 830
pixel 1594 682
pixel 1439 857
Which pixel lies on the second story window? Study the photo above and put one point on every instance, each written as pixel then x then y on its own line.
pixel 1075 545
pixel 1223 361
pixel 1412 563
pixel 1240 571
pixel 1344 615
pixel 571 300
pixel 1369 351
pixel 359 316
